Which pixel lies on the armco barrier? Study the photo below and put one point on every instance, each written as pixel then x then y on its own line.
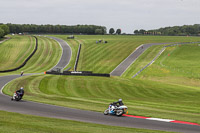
pixel 24 63
pixel 81 73
pixel 77 58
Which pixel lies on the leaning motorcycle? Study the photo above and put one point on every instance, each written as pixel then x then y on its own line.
pixel 16 97
pixel 115 110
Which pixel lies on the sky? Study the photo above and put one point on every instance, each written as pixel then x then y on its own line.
pixel 127 15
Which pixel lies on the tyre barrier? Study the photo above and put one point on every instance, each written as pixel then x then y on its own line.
pixel 24 63
pixel 78 73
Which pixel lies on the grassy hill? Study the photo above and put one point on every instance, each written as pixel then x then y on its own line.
pixel 46 57
pixel 17 49
pixel 14 51
pixel 177 65
pixel 103 58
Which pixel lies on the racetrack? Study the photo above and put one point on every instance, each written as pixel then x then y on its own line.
pixel 123 66
pixel 66 54
pixel 28 107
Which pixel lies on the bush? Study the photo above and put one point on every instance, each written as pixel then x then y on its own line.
pixel 1 33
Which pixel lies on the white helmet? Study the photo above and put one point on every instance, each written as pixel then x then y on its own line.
pixel 21 88
pixel 120 100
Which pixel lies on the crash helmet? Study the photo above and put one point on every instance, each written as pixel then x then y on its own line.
pixel 21 88
pixel 120 100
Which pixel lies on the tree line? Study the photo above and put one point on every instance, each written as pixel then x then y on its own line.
pixel 58 29
pixel 4 30
pixel 184 30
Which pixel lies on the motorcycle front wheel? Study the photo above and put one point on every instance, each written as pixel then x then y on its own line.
pixel 106 112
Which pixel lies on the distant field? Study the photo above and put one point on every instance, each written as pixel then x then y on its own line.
pixel 143 97
pixel 14 122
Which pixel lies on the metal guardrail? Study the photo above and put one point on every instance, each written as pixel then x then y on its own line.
pixel 77 58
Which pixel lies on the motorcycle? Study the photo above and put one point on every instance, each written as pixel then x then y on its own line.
pixel 16 97
pixel 116 110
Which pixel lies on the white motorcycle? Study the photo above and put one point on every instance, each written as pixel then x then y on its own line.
pixel 116 110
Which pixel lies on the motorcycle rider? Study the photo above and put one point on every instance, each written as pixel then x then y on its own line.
pixel 114 105
pixel 20 92
pixel 118 103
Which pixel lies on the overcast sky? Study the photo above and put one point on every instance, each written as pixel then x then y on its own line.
pixel 127 15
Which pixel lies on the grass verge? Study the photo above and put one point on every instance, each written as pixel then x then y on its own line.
pixel 14 122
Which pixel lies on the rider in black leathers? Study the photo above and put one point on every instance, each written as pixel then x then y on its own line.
pixel 20 92
pixel 118 103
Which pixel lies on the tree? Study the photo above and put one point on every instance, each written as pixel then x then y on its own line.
pixel 180 30
pixel 118 31
pixel 136 32
pixel 5 28
pixel 1 33
pixel 111 31
pixel 99 31
pixel 75 29
pixel 142 31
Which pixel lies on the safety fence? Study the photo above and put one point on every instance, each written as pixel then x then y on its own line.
pixel 24 63
pixel 78 73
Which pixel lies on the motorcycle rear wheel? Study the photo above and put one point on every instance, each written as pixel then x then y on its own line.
pixel 119 112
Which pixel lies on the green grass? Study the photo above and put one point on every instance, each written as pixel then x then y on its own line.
pixel 14 51
pixel 14 122
pixel 45 58
pixel 182 67
pixel 143 97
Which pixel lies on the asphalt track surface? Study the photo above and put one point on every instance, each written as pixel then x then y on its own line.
pixel 66 54
pixel 45 110
pixel 123 66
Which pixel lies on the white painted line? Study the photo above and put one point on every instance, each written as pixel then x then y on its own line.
pixel 158 119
